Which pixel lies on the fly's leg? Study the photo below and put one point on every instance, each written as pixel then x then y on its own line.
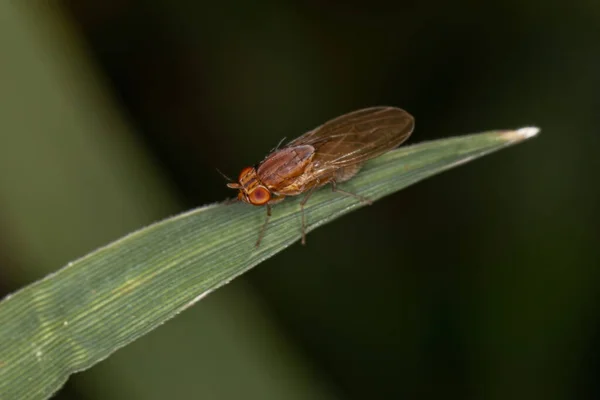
pixel 363 200
pixel 334 188
pixel 264 227
pixel 274 200
pixel 302 203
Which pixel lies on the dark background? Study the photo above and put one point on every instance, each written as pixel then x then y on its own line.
pixel 480 283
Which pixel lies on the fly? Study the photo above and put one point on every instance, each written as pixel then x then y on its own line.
pixel 329 154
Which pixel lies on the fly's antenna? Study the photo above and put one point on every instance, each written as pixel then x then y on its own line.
pixel 223 175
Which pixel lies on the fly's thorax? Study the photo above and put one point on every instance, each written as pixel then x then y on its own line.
pixel 282 167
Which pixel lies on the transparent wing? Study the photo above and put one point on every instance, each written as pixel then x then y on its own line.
pixel 356 137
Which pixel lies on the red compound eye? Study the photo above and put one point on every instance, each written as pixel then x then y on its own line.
pixel 260 196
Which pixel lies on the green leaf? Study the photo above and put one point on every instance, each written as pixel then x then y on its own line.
pixel 78 316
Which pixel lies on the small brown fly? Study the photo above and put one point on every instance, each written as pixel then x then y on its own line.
pixel 332 153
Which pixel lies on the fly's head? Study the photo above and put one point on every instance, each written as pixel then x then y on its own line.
pixel 251 191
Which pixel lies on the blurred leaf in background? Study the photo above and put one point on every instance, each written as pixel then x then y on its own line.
pixel 483 283
pixel 73 177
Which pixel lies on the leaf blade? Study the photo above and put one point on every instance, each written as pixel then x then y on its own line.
pixel 81 314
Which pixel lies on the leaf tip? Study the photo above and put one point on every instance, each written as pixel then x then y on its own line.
pixel 528 132
pixel 522 133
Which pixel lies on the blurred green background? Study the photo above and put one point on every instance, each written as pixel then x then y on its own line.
pixel 481 283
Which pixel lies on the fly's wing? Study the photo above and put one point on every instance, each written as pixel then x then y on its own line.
pixel 356 137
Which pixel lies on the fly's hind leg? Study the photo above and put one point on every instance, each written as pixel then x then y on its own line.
pixel 343 174
pixel 334 188
pixel 362 199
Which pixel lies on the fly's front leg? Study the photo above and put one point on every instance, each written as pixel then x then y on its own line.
pixel 362 199
pixel 264 227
